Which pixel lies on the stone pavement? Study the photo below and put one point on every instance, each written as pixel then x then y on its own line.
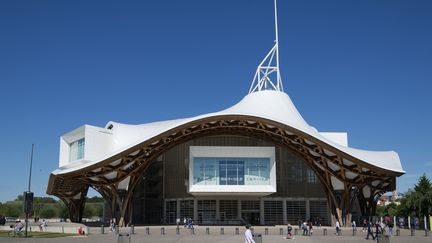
pixel 215 236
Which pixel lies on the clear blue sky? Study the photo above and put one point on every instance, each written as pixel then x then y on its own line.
pixel 364 67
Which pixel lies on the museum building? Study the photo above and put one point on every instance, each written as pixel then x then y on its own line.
pixel 257 161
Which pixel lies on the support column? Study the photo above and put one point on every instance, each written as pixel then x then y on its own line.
pixel 178 209
pixel 164 211
pixel 239 209
pixel 217 210
pixel 195 211
pixel 284 211
pixel 307 209
pixel 262 219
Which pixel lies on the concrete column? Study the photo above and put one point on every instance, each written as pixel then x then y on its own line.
pixel 262 220
pixel 178 209
pixel 284 211
pixel 164 211
pixel 239 210
pixel 217 210
pixel 195 213
pixel 307 209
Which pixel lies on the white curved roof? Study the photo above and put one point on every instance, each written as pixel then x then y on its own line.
pixel 267 104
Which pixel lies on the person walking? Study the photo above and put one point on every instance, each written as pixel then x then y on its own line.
pixel 248 234
pixel 310 228
pixel 289 234
pixel 369 231
pixel 337 228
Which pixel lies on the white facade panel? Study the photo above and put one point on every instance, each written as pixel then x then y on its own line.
pixel 97 145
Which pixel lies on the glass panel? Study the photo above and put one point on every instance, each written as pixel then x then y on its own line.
pixel 296 210
pixel 186 209
pixel 273 212
pixel 231 171
pixel 76 150
pixel 171 212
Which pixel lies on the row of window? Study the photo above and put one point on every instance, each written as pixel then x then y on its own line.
pixel 231 171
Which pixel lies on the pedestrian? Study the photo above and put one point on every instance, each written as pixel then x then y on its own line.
pixel 337 227
pixel 378 229
pixel 310 228
pixel 364 225
pixel 369 230
pixel 305 228
pixel 248 234
pixel 289 234
pixel 354 225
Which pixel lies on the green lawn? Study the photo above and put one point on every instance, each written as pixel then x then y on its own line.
pixel 5 233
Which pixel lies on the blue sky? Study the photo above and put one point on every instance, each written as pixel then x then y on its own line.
pixel 363 67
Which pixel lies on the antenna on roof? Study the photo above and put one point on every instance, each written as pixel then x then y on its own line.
pixel 269 66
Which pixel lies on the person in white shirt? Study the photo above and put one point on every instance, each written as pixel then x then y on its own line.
pixel 248 235
pixel 337 228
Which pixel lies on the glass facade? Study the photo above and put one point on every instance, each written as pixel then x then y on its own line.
pixel 76 151
pixel 231 171
pixel 164 193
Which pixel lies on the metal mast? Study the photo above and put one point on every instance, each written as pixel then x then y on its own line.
pixel 269 66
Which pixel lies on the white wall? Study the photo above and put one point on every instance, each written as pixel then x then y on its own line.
pixel 98 142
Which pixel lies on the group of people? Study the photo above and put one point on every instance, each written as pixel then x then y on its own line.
pixel 187 222
pixel 384 227
pixel 306 226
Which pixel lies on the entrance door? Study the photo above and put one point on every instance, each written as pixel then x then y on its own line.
pixel 252 218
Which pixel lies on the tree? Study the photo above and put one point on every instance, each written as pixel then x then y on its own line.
pixel 424 185
pixel 63 211
pixel 418 202
pixel 48 211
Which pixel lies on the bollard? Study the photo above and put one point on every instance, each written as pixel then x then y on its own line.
pixel 123 238
pixel 397 232
pixel 117 229
pixel 207 231
pixel 412 232
pixel 147 230
pixel 177 230
pixel 236 231
pixel 295 231
pixel 162 231
pixel 266 231
pixel 88 231
pixel 132 229
pixel 280 231
pixel 426 233
pixel 222 231
pixel 354 232
pixel 192 231
pixel 324 231
pixel 102 229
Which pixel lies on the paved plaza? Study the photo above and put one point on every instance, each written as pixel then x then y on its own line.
pixel 229 236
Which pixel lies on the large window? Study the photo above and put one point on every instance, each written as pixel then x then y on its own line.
pixel 76 151
pixel 231 171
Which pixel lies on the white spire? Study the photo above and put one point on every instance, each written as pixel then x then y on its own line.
pixel 269 67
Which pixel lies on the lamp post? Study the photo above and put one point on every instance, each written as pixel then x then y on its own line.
pixel 28 195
